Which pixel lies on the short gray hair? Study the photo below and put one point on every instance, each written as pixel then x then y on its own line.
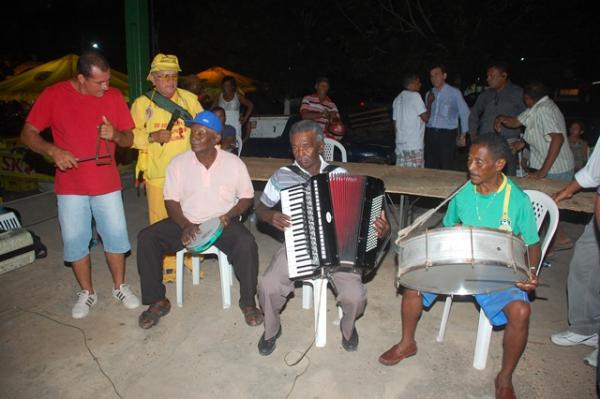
pixel 307 126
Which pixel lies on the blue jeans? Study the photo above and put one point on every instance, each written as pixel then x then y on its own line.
pixel 75 214
pixel 564 176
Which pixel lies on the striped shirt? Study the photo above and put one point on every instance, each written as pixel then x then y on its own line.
pixel 312 103
pixel 539 121
pixel 283 178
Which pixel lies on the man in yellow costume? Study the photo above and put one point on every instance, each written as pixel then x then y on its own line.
pixel 160 132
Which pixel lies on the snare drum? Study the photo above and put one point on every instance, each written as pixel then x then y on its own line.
pixel 462 261
pixel 208 233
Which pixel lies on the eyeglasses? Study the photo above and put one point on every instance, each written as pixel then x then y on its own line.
pixel 165 78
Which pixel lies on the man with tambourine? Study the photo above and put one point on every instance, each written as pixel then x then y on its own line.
pixel 206 190
pixel 274 284
pixel 489 200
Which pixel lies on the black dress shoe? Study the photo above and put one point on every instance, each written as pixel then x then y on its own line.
pixel 351 344
pixel 267 346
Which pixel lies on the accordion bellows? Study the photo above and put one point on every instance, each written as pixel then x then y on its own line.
pixel 332 218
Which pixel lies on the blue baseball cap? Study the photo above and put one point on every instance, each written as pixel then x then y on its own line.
pixel 206 119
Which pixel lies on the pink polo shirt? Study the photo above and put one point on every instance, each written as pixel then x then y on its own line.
pixel 207 193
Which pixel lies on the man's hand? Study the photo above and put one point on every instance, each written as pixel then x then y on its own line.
pixel 278 220
pixel 562 195
pixel 498 123
pixel 517 146
pixel 107 130
pixel 538 174
pixel 430 99
pixel 63 159
pixel 161 136
pixel 461 140
pixel 189 233
pixel 382 227
pixel 528 285
pixel 225 220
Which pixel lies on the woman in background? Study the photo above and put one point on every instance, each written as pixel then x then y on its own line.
pixel 231 101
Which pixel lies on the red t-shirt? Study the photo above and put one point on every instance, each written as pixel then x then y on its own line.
pixel 74 119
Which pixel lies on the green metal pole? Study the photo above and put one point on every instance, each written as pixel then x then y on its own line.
pixel 138 46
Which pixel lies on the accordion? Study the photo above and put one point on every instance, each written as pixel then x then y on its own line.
pixel 332 219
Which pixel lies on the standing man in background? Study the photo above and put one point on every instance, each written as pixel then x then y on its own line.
pixel 447 107
pixel 320 108
pixel 410 116
pixel 502 97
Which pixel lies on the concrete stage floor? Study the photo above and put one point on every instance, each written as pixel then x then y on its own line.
pixel 203 351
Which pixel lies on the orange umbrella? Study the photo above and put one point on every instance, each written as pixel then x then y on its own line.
pixel 211 79
pixel 27 86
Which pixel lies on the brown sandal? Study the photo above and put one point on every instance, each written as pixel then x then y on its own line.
pixel 150 317
pixel 253 316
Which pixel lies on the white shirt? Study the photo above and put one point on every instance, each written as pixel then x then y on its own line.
pixel 589 175
pixel 410 128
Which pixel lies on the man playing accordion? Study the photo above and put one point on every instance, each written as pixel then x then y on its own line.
pixel 274 286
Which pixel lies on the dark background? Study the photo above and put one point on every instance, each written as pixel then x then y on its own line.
pixel 363 46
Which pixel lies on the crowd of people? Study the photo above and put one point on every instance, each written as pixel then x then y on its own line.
pixel 179 143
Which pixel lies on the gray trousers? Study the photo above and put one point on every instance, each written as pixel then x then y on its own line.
pixel 583 284
pixel 274 287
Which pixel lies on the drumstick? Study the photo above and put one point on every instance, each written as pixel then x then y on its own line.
pixel 93 158
pixel 426 216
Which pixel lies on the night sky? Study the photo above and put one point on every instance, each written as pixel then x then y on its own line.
pixel 363 46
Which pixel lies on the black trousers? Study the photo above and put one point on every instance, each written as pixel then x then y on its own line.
pixel 440 147
pixel 164 237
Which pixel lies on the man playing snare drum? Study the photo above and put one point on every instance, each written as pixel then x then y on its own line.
pixel 201 184
pixel 493 201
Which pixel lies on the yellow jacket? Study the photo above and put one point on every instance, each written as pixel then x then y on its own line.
pixel 148 117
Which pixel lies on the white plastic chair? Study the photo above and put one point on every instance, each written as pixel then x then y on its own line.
pixel 239 143
pixel 9 221
pixel 330 146
pixel 315 291
pixel 225 270
pixel 542 205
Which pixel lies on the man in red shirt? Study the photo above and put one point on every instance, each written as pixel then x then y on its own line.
pixel 87 118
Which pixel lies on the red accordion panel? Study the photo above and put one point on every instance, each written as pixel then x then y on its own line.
pixel 347 193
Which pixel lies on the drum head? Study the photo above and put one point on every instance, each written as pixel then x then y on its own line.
pixel 210 231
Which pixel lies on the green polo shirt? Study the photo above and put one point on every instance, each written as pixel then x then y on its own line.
pixel 470 208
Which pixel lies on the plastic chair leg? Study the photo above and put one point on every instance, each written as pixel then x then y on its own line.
pixel 195 269
pixel 482 345
pixel 337 321
pixel 320 302
pixel 226 278
pixel 179 276
pixel 445 314
pixel 307 295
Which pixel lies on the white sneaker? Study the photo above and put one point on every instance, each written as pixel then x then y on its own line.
pixel 85 301
pixel 568 338
pixel 592 359
pixel 125 295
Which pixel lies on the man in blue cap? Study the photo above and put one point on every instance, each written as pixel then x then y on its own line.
pixel 221 189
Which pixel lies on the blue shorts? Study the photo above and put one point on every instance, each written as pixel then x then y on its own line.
pixel 492 303
pixel 75 214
